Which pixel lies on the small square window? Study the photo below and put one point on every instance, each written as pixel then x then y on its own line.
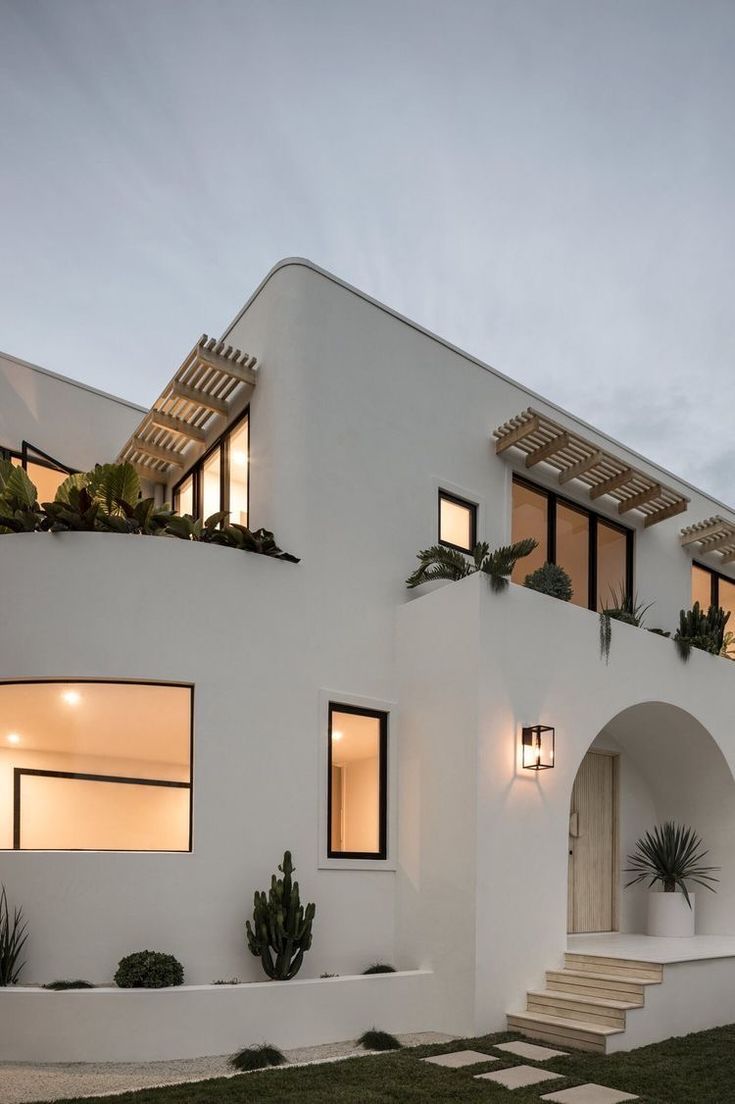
pixel 457 522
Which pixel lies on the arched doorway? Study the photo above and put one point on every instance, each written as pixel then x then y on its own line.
pixel 652 762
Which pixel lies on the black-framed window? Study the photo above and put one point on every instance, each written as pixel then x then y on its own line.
pixel 77 775
pixel 710 588
pixel 220 479
pixel 596 553
pixel 46 473
pixel 357 790
pixel 457 522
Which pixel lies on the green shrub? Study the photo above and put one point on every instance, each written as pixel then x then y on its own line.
pixel 552 580
pixel 13 934
pixel 440 562
pixel 379 1040
pixel 59 986
pixel 148 970
pixel 259 1057
pixel 380 968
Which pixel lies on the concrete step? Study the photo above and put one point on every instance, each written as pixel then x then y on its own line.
pixel 572 1006
pixel 615 967
pixel 598 985
pixel 580 1034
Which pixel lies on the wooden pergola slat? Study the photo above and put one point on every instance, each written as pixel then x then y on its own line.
pixel 547 450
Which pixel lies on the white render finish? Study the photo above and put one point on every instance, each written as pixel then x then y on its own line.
pixel 357 419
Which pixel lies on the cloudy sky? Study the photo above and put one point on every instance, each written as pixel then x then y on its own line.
pixel 548 184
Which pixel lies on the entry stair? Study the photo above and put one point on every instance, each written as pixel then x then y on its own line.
pixel 586 1002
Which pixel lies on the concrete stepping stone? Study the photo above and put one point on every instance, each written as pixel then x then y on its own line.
pixel 589 1094
pixel 459 1058
pixel 517 1077
pixel 531 1050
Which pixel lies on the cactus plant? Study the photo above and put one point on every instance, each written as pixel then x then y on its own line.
pixel 698 629
pixel 280 933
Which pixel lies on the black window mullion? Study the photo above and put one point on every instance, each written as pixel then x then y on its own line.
pixel 592 563
pixel 551 528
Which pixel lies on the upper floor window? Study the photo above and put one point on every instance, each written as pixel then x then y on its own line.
pixel 220 479
pixel 357 783
pixel 596 553
pixel 709 588
pixel 457 522
pixel 44 473
pixel 95 766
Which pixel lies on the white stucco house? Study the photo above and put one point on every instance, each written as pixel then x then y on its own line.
pixel 174 715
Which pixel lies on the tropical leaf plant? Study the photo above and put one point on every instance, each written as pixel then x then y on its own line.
pixel 698 629
pixel 19 510
pixel 13 935
pixel 671 854
pixel 113 486
pixel 441 562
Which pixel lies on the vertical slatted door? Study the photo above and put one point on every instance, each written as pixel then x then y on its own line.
pixel 592 846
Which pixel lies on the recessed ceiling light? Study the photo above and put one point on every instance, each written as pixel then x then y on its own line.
pixel 239 457
pixel 336 735
pixel 72 697
pixel 13 738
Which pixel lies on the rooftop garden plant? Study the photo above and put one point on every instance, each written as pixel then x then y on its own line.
pixel 72 983
pixel 13 935
pixel 441 562
pixel 280 932
pixel 550 579
pixel 698 629
pixel 623 607
pixel 108 500
pixel 672 855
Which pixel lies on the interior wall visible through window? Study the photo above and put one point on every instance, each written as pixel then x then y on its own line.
pixel 220 481
pixel 357 767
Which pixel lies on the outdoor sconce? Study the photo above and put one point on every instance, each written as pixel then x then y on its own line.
pixel 538 747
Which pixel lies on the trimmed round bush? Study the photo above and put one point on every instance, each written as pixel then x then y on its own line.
pixel 148 970
pixel 551 579
pixel 380 968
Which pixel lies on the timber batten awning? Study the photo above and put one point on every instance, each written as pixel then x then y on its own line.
pixel 714 534
pixel 543 440
pixel 214 381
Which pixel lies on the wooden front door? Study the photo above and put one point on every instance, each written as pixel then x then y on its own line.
pixel 591 898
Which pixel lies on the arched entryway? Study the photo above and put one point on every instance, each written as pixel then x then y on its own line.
pixel 652 762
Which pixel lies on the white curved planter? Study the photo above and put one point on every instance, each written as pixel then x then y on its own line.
pixel 669 915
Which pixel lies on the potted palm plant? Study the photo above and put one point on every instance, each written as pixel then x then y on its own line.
pixel 669 857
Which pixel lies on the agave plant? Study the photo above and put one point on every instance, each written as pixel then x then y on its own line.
pixel 671 854
pixel 13 934
pixel 440 562
pixel 698 629
pixel 621 607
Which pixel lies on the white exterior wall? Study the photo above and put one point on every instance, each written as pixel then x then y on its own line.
pixel 77 425
pixel 356 420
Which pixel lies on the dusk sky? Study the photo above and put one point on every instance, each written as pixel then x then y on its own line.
pixel 549 185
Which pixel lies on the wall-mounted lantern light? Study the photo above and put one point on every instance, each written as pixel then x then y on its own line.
pixel 538 747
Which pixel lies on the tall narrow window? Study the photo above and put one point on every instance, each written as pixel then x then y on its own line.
pixel 530 519
pixel 184 498
pixel 726 599
pixel 573 550
pixel 612 563
pixel 358 744
pixel 702 591
pixel 457 522
pixel 237 445
pixel 211 485
pixel 95 766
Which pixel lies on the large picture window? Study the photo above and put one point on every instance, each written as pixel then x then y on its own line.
pixel 596 553
pixel 95 766
pixel 357 797
pixel 220 479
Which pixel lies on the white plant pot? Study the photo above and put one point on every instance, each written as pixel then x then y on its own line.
pixel 669 915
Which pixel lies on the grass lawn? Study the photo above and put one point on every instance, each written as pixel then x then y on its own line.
pixel 694 1069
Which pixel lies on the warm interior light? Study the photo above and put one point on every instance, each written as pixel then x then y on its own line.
pixel 336 735
pixel 72 697
pixel 13 738
pixel 238 457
